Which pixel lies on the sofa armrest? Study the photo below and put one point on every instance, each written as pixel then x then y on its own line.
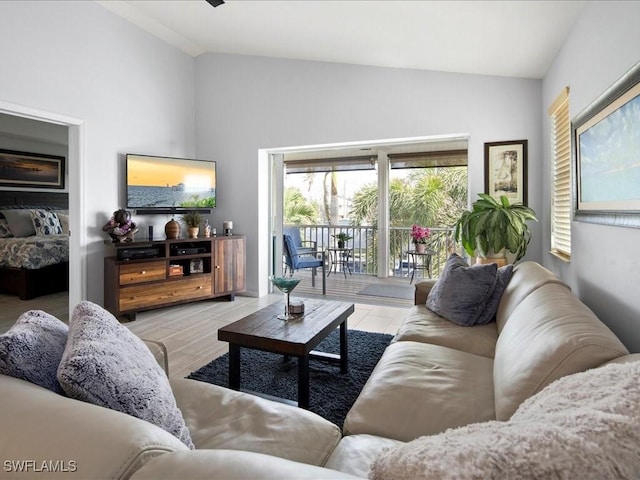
pixel 423 287
pixel 159 351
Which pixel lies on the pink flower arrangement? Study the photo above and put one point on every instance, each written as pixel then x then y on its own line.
pixel 420 234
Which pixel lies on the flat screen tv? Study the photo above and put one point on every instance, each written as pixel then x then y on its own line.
pixel 168 184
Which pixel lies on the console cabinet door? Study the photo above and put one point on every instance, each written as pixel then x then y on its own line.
pixel 229 268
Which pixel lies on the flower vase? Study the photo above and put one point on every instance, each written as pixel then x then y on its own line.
pixel 421 247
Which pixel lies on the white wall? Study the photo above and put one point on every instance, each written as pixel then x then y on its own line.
pixel 133 92
pixel 29 135
pixel 605 268
pixel 247 103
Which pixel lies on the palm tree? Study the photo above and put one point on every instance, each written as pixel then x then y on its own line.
pixel 331 197
pixel 297 209
pixel 433 197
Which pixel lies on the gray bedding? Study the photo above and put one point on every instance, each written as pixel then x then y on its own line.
pixel 34 252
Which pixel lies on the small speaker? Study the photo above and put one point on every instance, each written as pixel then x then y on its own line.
pixel 150 232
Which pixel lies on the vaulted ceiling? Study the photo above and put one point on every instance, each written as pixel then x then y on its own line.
pixel 504 38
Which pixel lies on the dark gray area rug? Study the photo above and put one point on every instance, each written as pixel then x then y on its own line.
pixel 393 291
pixel 332 393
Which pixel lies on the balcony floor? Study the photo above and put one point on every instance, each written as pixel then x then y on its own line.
pixel 348 290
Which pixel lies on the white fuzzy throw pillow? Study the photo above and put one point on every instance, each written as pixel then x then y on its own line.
pixel 107 365
pixel 585 426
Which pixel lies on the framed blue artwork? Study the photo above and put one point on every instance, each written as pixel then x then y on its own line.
pixel 606 151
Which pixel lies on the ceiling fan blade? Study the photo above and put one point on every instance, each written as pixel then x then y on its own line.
pixel 215 3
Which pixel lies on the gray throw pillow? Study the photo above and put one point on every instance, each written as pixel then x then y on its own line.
pixel 461 293
pixel 489 314
pixel 107 365
pixel 32 348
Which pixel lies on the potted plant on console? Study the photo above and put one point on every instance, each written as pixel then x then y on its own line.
pixel 192 220
pixel 494 227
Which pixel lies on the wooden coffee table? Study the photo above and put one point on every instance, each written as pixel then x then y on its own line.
pixel 297 338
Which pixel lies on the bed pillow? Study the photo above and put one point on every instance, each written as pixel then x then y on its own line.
pixel 107 365
pixel 64 222
pixel 5 231
pixel 32 348
pixel 20 222
pixel 45 223
pixel 461 292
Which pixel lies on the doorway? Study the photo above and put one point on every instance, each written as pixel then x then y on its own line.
pixel 75 168
pixel 385 157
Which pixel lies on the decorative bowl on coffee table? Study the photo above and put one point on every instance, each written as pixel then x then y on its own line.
pixel 285 285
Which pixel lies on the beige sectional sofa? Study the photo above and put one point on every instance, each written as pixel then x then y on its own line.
pixel 435 376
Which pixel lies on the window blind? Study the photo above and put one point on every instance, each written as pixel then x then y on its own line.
pixel 342 164
pixel 446 158
pixel 561 191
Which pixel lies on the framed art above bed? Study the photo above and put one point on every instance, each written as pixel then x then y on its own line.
pixel 31 170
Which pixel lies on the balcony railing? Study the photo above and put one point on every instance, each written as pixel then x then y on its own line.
pixel 364 243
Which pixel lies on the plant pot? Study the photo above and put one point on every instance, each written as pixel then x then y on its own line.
pixel 172 229
pixel 421 247
pixel 193 232
pixel 494 257
pixel 340 244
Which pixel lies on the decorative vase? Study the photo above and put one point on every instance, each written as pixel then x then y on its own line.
pixel 421 247
pixel 193 232
pixel 172 229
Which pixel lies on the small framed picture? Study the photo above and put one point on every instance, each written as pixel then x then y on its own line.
pixel 196 266
pixel 505 170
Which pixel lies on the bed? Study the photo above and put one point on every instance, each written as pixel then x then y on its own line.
pixel 34 243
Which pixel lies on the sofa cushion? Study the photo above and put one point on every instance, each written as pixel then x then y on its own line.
pixel 423 325
pixel 550 334
pixel 461 293
pixel 107 365
pixel 91 442
pixel 582 426
pixel 491 307
pixel 247 422
pixel 355 453
pixel 231 465
pixel 526 278
pixel 32 348
pixel 420 389
pixel 46 223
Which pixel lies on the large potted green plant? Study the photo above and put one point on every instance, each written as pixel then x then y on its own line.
pixel 494 227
